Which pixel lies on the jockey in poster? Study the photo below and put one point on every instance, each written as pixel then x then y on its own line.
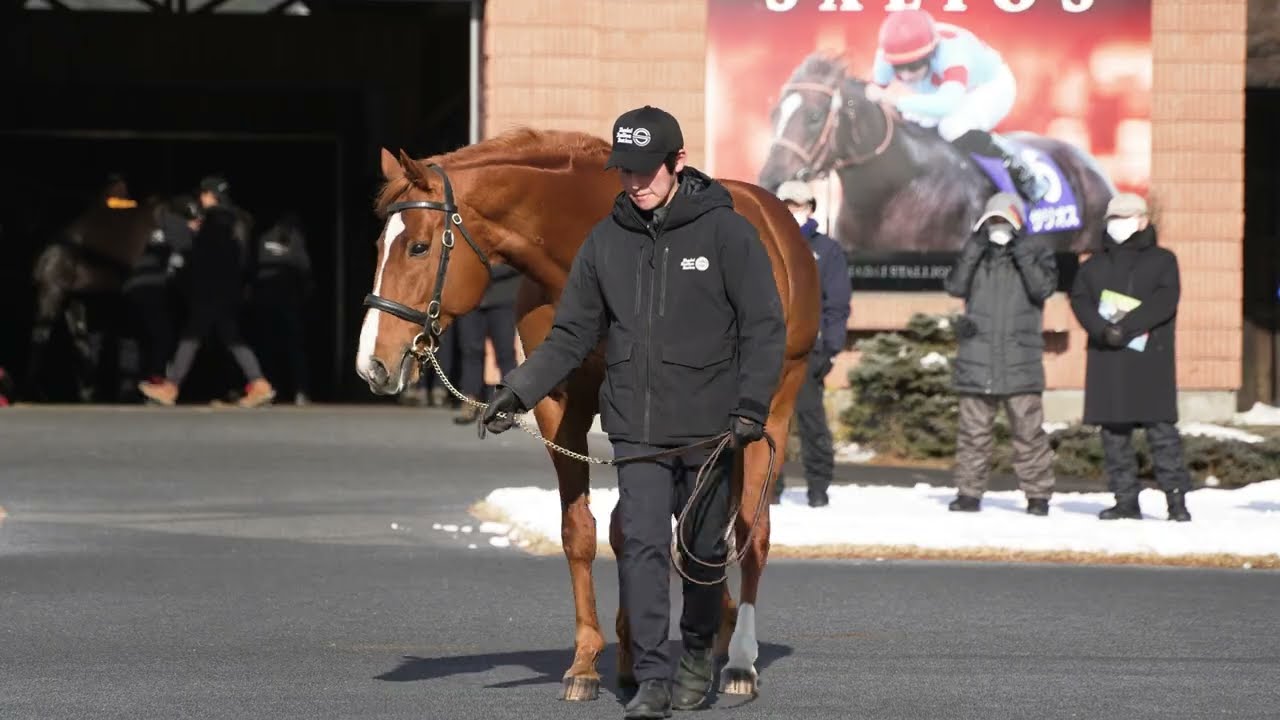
pixel 960 85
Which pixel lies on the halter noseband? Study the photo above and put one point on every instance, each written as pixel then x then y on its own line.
pixel 429 320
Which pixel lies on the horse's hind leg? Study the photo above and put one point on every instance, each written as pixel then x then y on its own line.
pixel 739 674
pixel 566 422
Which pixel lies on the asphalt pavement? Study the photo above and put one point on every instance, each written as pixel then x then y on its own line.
pixel 227 564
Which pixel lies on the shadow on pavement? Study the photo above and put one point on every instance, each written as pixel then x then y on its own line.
pixel 548 666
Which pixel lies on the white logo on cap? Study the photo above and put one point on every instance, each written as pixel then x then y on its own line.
pixel 624 136
pixel 640 136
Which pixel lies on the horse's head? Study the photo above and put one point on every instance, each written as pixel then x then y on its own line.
pixel 431 269
pixel 823 121
pixel 804 121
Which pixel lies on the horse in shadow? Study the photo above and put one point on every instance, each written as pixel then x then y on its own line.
pixel 905 188
pixel 79 279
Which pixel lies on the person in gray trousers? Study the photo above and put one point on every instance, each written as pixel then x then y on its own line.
pixel 1004 276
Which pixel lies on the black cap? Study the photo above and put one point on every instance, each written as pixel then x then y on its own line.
pixel 215 184
pixel 642 138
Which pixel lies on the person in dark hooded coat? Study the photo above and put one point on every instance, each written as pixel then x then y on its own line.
pixel 682 288
pixel 216 272
pixel 1131 376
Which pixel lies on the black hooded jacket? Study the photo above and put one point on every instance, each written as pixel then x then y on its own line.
pixel 688 304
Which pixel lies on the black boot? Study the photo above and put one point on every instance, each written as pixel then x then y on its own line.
pixel 818 498
pixel 1030 187
pixel 693 679
pixel 1126 508
pixel 1038 506
pixel 1178 506
pixel 965 503
pixel 651 702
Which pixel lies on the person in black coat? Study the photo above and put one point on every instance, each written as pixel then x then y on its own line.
pixel 495 319
pixel 282 283
pixel 682 288
pixel 816 449
pixel 216 272
pixel 1130 376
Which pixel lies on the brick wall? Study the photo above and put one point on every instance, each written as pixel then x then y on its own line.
pixel 576 64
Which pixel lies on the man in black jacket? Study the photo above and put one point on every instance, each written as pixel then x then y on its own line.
pixel 683 290
pixel 1130 373
pixel 216 277
pixel 816 450
pixel 1004 278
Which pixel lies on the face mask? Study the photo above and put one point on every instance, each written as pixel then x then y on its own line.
pixel 1121 229
pixel 999 235
pixel 801 217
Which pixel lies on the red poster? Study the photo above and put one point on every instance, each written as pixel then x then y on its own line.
pixel 1047 98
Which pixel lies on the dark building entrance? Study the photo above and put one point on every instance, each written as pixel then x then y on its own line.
pixel 291 109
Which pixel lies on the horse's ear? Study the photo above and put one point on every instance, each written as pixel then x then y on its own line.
pixel 412 170
pixel 391 169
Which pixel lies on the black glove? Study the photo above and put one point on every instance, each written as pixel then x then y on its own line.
pixel 1113 336
pixel 965 328
pixel 504 401
pixel 744 431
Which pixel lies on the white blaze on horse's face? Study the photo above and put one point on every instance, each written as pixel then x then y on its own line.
pixel 369 330
pixel 788 107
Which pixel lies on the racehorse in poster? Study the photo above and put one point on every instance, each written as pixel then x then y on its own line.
pixel 905 188
pixel 528 199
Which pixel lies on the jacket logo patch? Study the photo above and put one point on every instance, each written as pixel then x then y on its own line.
pixel 700 264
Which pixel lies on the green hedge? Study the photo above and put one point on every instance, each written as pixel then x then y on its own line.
pixel 903 407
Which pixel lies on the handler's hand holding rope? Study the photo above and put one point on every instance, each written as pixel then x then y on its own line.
pixel 505 409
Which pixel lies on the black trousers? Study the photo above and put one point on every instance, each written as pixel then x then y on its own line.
pixel 281 343
pixel 153 326
pixel 816 450
pixel 649 495
pixel 497 323
pixel 1166 455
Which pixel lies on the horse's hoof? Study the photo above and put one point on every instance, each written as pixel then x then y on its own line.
pixel 580 689
pixel 736 681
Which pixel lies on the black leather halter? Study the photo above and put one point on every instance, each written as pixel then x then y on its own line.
pixel 429 320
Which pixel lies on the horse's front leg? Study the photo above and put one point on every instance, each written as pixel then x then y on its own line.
pixel 566 419
pixel 739 674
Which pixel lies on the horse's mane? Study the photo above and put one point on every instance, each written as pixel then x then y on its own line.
pixel 820 65
pixel 549 150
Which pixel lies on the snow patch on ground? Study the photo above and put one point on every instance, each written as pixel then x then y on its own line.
pixel 1237 522
pixel 1259 414
pixel 1220 432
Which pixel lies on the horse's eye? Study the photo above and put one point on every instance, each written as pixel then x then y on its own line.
pixel 417 249
pixel 816 118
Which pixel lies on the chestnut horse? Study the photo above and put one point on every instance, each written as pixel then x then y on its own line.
pixel 529 198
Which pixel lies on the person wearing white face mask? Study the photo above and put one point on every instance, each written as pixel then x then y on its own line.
pixel 816 449
pixel 1004 278
pixel 1130 376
